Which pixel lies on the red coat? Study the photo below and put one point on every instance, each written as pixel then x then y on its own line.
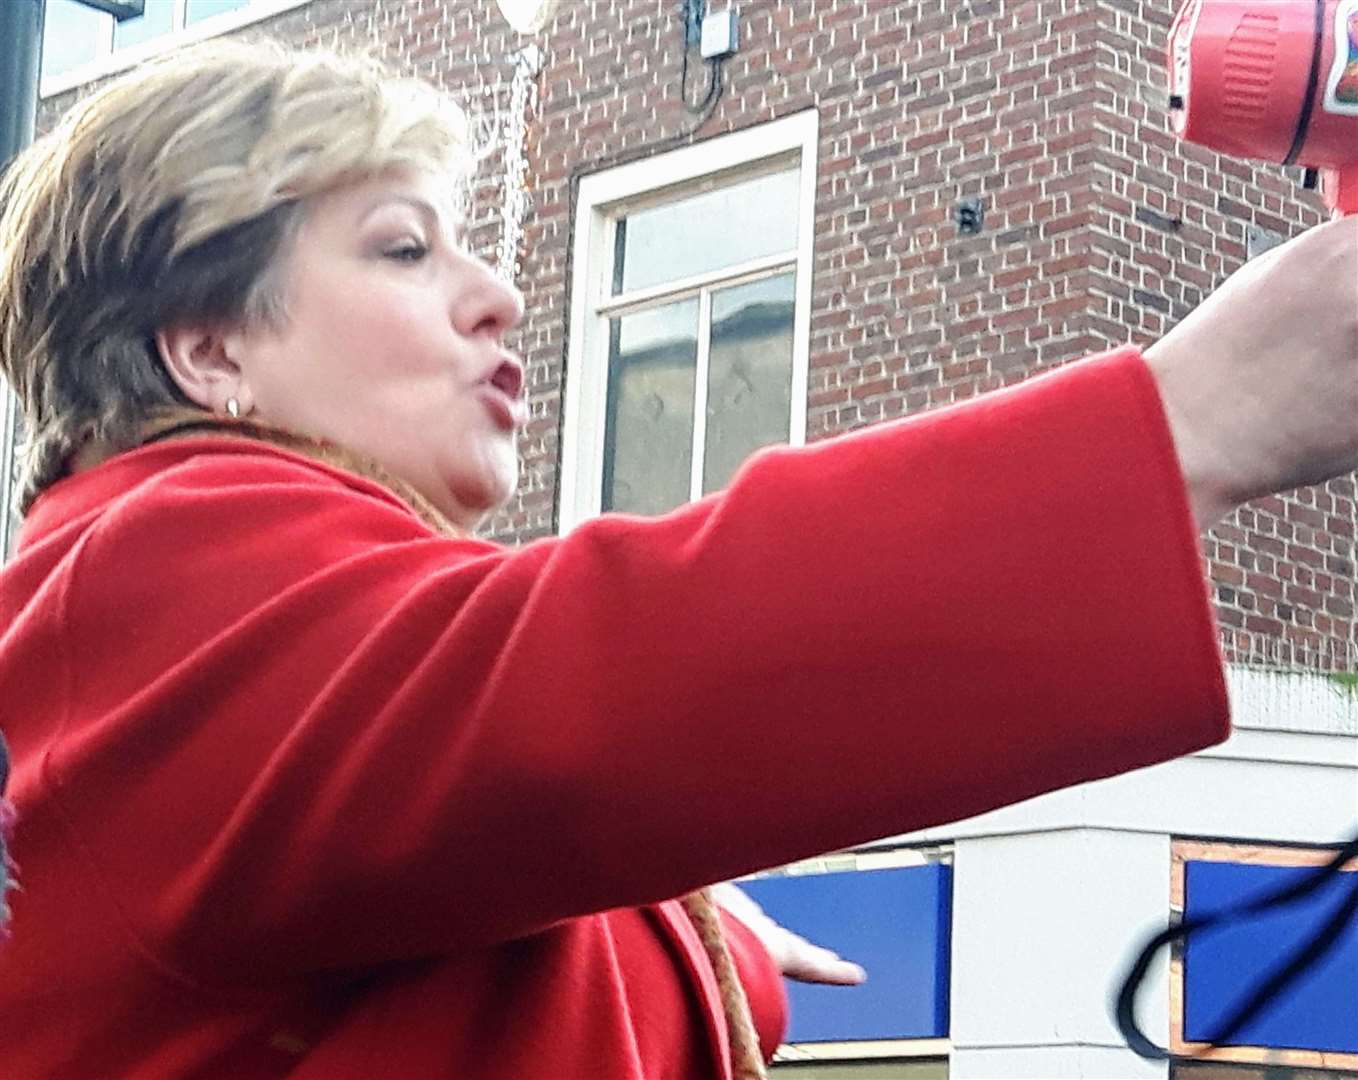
pixel 306 790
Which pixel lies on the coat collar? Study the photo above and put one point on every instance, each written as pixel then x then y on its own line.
pixel 73 497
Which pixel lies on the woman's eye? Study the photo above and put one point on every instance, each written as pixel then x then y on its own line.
pixel 409 251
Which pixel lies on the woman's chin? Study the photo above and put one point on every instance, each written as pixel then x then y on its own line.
pixel 470 502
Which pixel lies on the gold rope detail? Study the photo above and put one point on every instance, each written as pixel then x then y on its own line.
pixel 747 1060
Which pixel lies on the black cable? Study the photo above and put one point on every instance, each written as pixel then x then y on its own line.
pixel 1312 80
pixel 1310 952
pixel 714 87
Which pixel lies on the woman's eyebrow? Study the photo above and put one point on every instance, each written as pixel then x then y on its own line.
pixel 426 209
pixel 447 222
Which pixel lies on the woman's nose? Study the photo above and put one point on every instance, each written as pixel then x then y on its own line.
pixel 484 303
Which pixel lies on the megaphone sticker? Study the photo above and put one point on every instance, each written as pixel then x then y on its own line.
pixel 1341 89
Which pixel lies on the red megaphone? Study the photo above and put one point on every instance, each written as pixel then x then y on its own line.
pixel 1271 79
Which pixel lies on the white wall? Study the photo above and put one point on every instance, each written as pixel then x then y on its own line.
pixel 1051 896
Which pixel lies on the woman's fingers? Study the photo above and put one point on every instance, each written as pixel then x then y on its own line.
pixel 806 962
pixel 796 957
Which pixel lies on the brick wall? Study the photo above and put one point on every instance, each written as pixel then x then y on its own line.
pixel 1172 222
pixel 1099 226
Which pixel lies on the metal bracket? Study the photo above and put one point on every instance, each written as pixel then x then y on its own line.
pixel 970 216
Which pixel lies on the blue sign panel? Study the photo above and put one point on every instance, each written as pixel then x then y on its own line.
pixel 1224 965
pixel 896 923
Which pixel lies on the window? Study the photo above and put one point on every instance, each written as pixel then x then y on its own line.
pixel 689 327
pixel 198 10
pixel 73 35
pixel 80 43
pixel 1308 1033
pixel 156 20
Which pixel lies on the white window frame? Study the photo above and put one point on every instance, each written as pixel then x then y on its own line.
pixel 110 61
pixel 602 200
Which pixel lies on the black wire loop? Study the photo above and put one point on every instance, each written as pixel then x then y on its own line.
pixel 1279 979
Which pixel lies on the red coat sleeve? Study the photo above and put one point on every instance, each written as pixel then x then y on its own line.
pixel 328 738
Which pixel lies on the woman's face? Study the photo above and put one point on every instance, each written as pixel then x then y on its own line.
pixel 391 345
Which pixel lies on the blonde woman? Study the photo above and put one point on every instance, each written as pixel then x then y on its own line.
pixel 313 783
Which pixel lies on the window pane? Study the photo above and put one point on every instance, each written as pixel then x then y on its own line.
pixel 709 230
pixel 205 9
pixel 70 36
pixel 648 443
pixel 156 20
pixel 749 379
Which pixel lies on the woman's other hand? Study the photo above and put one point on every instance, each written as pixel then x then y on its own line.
pixel 796 957
pixel 1260 382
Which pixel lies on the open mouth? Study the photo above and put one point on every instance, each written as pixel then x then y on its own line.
pixel 502 394
pixel 508 378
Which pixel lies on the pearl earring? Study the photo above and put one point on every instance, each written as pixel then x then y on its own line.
pixel 233 408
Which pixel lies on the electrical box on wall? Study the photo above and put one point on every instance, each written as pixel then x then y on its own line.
pixel 719 34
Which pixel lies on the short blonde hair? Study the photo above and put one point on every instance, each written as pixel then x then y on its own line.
pixel 170 195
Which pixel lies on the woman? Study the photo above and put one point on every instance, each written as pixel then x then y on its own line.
pixel 312 783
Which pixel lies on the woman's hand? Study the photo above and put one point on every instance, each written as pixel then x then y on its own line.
pixel 796 957
pixel 1260 383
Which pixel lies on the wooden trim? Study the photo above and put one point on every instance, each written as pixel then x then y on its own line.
pixel 1184 851
pixel 863 1050
pixel 1263 854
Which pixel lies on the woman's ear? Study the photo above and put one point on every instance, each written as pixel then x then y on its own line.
pixel 199 360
